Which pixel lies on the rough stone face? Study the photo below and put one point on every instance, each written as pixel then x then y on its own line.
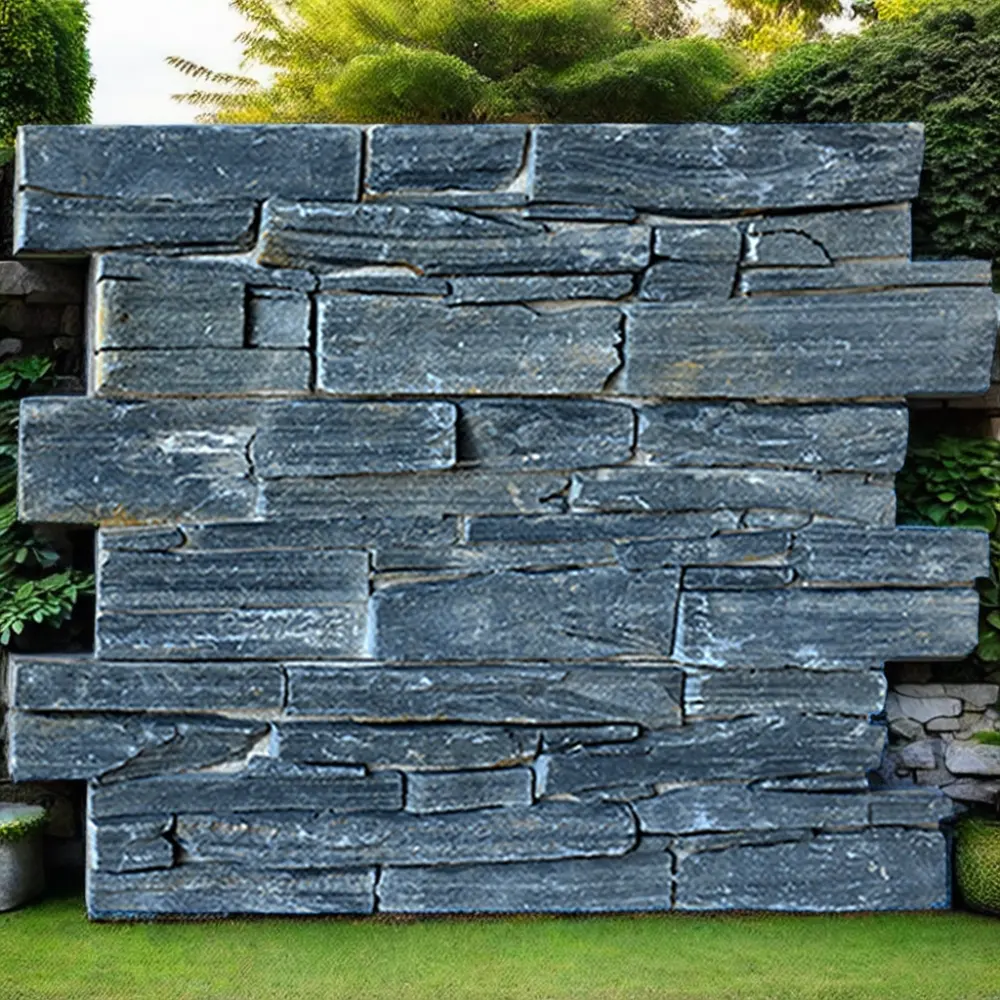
pixel 457 790
pixel 490 557
pixel 972 758
pixel 555 528
pixel 728 548
pixel 385 279
pixel 910 807
pixel 675 281
pixel 129 846
pixel 867 275
pixel 718 243
pixel 538 288
pixel 279 318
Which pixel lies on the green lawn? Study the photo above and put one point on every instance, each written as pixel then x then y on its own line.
pixel 50 951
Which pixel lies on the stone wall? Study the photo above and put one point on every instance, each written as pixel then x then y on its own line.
pixel 495 518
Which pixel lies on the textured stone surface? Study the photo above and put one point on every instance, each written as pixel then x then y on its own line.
pixel 440 350
pixel 130 845
pixel 911 807
pixel 800 348
pixel 608 527
pixel 458 790
pixel 718 243
pixel 732 548
pixel 385 279
pixel 675 281
pixel 539 288
pixel 279 318
pixel 866 275
pixel 490 557
pixel 973 758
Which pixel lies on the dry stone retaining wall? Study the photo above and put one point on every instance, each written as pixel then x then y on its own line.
pixel 494 518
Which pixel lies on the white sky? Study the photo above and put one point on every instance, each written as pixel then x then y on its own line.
pixel 130 40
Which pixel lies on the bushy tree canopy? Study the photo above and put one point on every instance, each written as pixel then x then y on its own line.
pixel 463 60
pixel 940 67
pixel 44 64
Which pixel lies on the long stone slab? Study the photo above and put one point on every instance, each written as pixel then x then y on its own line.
pixel 539 288
pixel 777 627
pixel 545 831
pixel 677 280
pixel 130 845
pixel 226 890
pixel 488 557
pixel 575 615
pixel 869 438
pixel 334 630
pixel 87 684
pixel 874 870
pixel 714 169
pixel 70 748
pixel 798 347
pixel 747 748
pixel 741 549
pixel 559 434
pixel 175 273
pixel 453 791
pixel 869 275
pixel 486 693
pixel 444 350
pixel 636 882
pixel 577 528
pixel 845 496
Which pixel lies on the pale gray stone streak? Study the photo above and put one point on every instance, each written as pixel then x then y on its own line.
pixel 130 846
pixel 865 275
pixel 607 211
pixel 388 280
pixel 737 578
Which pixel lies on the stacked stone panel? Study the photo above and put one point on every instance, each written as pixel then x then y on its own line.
pixel 494 518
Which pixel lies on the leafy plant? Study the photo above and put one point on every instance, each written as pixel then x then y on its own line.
pixel 32 587
pixel 987 737
pixel 18 823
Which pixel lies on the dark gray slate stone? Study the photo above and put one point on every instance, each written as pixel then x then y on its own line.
pixel 675 280
pixel 336 630
pixel 462 157
pixel 86 684
pixel 822 237
pixel 437 240
pixel 202 372
pixel 442 350
pixel 543 832
pixel 576 528
pixel 912 555
pixel 911 807
pixel 868 275
pixel 223 890
pixel 772 628
pixel 279 318
pixel 608 211
pixel 534 288
pixel 486 693
pixel 183 310
pixel 382 280
pixel 717 243
pixel 186 162
pixel 141 539
pixel 712 169
pixel 307 789
pixel 70 748
pixel 718 694
pixel 489 557
pixel 177 272
pixel 420 747
pixel 869 438
pixel 561 434
pixel 45 222
pixel 571 737
pixel 875 870
pixel 737 578
pixel 845 497
pixel 212 581
pixel 459 491
pixel 727 548
pixel 130 846
pixel 799 347
pixel 87 460
pixel 574 615
pixel 747 748
pixel 634 882
pixel 454 791
pixel 721 808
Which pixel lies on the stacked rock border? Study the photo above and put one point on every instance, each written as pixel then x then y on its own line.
pixel 494 518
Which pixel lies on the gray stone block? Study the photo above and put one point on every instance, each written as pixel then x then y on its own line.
pixel 561 434
pixel 577 615
pixel 722 808
pixel 279 318
pixel 382 280
pixel 490 557
pixel 213 581
pixel 773 628
pixel 869 438
pixel 798 347
pixel 225 890
pixel 675 280
pixel 713 169
pixel 130 845
pixel 606 211
pixel 70 748
pixel 183 162
pixel 570 738
pixel 574 528
pixel 336 630
pixel 436 240
pixel 539 288
pixel 326 438
pixel 715 243
pixel 454 791
pixel 87 684
pixel 202 372
pixel 53 223
pixel 746 748
pixel 442 350
pixel 845 497
pixel 420 747
pixel 259 789
pixel 737 578
pixel 545 831
pixel 868 275
pixel 487 693
pixel 178 272
pixel 87 460
pixel 635 882
pixel 910 807
pixel 875 870
pixel 141 539
pixel 734 548
pixel 446 157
